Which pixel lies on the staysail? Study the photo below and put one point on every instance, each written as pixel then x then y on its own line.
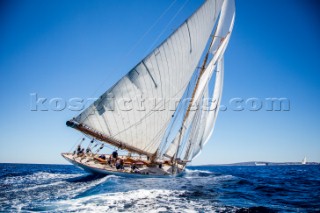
pixel 202 122
pixel 135 112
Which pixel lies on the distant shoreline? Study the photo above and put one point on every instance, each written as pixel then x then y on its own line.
pixel 264 163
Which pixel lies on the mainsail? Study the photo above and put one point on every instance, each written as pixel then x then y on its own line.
pixel 134 114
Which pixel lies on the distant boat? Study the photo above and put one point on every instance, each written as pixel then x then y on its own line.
pixel 260 164
pixel 197 49
pixel 304 161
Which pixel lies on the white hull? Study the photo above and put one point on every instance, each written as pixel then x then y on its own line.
pixel 97 168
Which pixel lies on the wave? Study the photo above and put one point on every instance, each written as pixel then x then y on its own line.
pixel 77 191
pixel 42 186
pixel 256 209
pixel 142 200
pixel 199 189
pixel 202 175
pixel 37 177
pixel 196 171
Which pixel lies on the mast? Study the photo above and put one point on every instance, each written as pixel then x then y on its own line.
pixel 222 32
pixel 192 97
pixel 203 67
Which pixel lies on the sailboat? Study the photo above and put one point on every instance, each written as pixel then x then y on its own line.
pixel 159 141
pixel 304 161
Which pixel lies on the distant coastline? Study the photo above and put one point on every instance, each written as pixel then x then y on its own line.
pixel 264 163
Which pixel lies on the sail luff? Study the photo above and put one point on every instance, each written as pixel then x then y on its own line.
pixel 216 97
pixel 226 24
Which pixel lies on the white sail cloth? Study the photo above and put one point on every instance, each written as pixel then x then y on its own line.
pixel 203 128
pixel 224 30
pixel 135 110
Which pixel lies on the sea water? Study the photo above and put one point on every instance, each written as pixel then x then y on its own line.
pixel 65 188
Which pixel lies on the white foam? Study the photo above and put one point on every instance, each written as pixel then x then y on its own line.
pixel 38 177
pixel 56 190
pixel 141 200
pixel 192 171
pixel 75 190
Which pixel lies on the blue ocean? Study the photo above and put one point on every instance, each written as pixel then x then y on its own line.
pixel 65 188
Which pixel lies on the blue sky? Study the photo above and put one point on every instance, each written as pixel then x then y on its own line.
pixel 80 48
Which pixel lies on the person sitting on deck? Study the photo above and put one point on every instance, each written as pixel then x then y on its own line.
pixel 78 149
pixel 121 163
pixel 81 153
pixel 118 166
pixel 134 168
pixel 115 154
pixel 102 156
pixel 88 150
pixel 110 160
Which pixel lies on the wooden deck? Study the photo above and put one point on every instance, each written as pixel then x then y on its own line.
pixel 93 164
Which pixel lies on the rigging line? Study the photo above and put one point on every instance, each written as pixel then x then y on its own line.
pixel 177 111
pixel 81 139
pixel 193 131
pixel 166 27
pixel 134 47
pixel 90 143
pixel 153 141
pixel 164 145
pixel 137 44
pixel 150 28
pixel 204 63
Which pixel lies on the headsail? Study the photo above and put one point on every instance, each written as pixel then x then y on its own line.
pixel 202 127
